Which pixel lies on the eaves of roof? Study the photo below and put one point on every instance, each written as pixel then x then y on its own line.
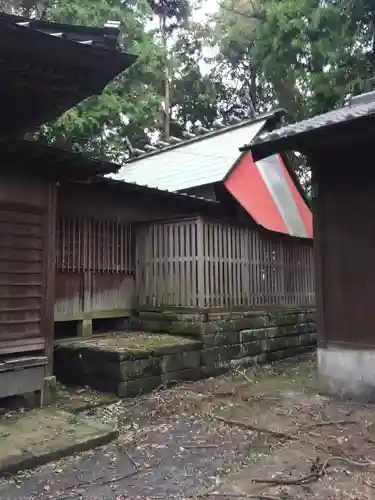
pixel 276 113
pixel 48 68
pixel 344 127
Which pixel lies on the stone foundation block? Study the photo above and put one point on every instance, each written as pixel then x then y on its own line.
pixel 298 328
pixel 287 353
pixel 221 338
pixel 252 335
pixel 250 349
pixel 158 315
pixel 215 355
pixel 148 367
pixel 182 361
pixel 180 375
pixel 277 343
pixel 186 328
pixel 232 325
pixel 215 370
pixel 48 396
pixel 151 325
pixel 138 386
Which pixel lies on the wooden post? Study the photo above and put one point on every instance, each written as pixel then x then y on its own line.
pixel 201 263
pixel 84 328
pixel 318 258
pixel 49 264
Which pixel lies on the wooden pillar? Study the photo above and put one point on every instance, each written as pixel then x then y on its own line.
pixel 49 273
pixel 201 264
pixel 344 227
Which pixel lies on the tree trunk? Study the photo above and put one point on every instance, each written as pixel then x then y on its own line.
pixel 167 99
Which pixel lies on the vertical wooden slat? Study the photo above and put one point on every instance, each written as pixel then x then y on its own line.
pixel 181 229
pixel 203 263
pixel 211 265
pixel 49 264
pixel 239 274
pixel 205 255
pixel 201 282
pixel 215 268
pixel 194 277
pixel 220 265
pixel 258 271
pixel 189 262
pixel 229 240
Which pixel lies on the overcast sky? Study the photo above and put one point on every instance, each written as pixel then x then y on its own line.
pixel 208 7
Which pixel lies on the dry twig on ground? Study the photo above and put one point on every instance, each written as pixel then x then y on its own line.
pixel 247 425
pixel 319 470
pixel 327 423
pixel 246 496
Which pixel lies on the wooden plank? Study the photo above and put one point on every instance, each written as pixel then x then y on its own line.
pixel 36 343
pixel 18 242
pixel 240 271
pixel 182 237
pixel 194 250
pixel 216 291
pixel 163 267
pixel 20 230
pixel 20 255
pixel 169 261
pixel 228 239
pixel 177 263
pixel 12 305
pixel 22 381
pixel 49 255
pixel 189 262
pixel 200 268
pixel 19 332
pixel 20 217
pixel 221 265
pixel 212 299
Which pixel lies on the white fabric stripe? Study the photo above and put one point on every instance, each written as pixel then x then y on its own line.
pixel 273 175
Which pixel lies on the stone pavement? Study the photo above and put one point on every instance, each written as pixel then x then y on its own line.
pixel 36 437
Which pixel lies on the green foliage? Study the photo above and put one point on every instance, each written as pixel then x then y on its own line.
pixel 302 55
pixel 251 55
pixel 127 106
pixel 196 97
pixel 175 12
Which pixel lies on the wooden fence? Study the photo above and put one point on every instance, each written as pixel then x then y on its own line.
pixel 88 244
pixel 95 262
pixel 204 263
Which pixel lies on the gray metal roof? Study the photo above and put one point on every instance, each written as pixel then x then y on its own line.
pixel 106 37
pixel 294 136
pixel 202 160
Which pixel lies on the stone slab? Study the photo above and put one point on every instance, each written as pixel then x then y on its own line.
pixel 182 361
pixel 181 375
pixel 40 436
pixel 123 346
pixel 290 461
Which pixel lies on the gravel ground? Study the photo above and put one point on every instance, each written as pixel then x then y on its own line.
pixel 169 447
pixel 221 438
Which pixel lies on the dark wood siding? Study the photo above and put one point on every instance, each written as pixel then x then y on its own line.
pixel 106 203
pixel 95 247
pixel 345 248
pixel 208 263
pixel 94 267
pixel 24 217
pixel 207 191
